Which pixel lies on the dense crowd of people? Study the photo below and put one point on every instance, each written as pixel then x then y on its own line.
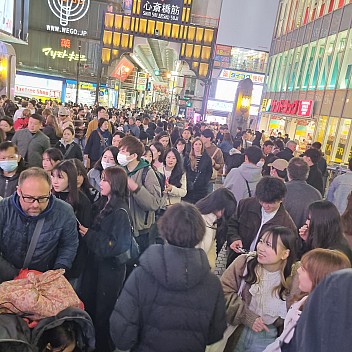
pixel 174 235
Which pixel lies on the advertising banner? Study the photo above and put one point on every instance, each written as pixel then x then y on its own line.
pixel 162 10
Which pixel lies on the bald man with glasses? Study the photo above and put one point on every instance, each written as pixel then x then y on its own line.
pixel 37 230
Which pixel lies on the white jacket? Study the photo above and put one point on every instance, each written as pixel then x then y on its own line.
pixel 291 320
pixel 208 244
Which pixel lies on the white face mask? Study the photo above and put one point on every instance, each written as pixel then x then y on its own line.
pixel 260 163
pixel 105 165
pixel 122 159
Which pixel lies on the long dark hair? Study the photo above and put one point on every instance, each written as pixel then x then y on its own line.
pixel 68 167
pixel 159 147
pixel 325 228
pixel 82 171
pixel 114 152
pixel 177 172
pixel 183 142
pixel 220 199
pixel 288 239
pixel 117 178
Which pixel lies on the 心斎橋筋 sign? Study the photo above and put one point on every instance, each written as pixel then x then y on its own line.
pixel 162 10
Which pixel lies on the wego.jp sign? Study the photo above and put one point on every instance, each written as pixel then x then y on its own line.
pixel 298 107
pixel 163 10
pixel 69 10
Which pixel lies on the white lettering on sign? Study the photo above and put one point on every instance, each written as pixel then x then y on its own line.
pixel 71 56
pixel 66 30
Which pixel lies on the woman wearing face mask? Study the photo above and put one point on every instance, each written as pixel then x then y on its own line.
pixel 64 183
pixel 108 159
pixel 68 147
pixel 11 165
pixel 107 238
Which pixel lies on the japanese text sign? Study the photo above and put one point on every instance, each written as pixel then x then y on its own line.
pixel 162 10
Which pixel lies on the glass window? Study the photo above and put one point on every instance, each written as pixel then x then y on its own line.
pixel 301 66
pixel 337 60
pixel 346 67
pixel 271 70
pixel 327 62
pixel 282 70
pixel 276 73
pixel 294 71
pixel 288 70
pixel 309 65
pixel 322 129
pixel 342 139
pixel 331 134
pixel 317 64
pixel 304 133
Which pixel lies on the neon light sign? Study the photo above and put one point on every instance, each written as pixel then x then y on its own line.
pixel 71 56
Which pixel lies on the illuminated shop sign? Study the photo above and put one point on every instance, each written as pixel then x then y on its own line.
pixel 219 106
pixel 297 107
pixel 238 76
pixel 32 91
pixel 68 11
pixel 63 54
pixel 163 10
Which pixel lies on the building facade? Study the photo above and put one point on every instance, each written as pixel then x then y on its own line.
pixel 309 83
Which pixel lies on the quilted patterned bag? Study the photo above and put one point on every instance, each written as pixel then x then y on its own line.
pixel 38 296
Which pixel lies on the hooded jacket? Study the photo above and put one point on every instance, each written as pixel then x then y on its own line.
pixel 235 181
pixel 325 323
pixel 85 338
pixel 147 199
pixel 172 302
pixel 58 240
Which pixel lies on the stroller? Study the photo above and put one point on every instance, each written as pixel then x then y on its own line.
pixel 16 336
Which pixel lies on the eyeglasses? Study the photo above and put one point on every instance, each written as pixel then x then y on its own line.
pixel 40 200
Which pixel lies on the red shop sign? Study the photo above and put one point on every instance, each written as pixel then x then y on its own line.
pixel 298 107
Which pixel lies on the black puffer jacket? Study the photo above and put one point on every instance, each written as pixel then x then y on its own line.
pixel 172 303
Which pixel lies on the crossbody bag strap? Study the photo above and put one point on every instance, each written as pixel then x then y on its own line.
pixel 33 244
pixel 101 138
pixel 248 189
pixel 67 152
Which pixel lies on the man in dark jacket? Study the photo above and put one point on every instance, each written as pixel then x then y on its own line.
pixel 32 142
pixel 299 193
pixel 287 153
pixel 315 178
pixel 58 240
pixel 171 302
pixel 255 215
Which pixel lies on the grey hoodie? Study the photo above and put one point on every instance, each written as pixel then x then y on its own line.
pixel 236 180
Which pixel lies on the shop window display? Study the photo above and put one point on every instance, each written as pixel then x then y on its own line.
pixel 323 121
pixel 331 136
pixel 341 144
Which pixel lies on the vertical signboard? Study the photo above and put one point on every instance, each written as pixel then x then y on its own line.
pixel 162 10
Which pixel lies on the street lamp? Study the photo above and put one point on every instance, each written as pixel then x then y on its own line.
pixel 122 70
